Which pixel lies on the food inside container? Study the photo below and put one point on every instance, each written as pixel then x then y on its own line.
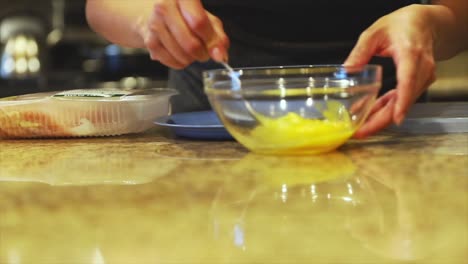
pixel 293 133
pixel 82 113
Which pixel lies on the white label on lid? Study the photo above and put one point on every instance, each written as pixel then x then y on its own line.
pixel 93 93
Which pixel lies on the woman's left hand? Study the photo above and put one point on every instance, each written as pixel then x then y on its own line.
pixel 405 36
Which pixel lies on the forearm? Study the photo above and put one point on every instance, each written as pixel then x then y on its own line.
pixel 449 20
pixel 118 21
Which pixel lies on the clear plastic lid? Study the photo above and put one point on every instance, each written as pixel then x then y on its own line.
pixel 81 113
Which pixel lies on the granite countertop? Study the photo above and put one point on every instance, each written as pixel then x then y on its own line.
pixel 153 198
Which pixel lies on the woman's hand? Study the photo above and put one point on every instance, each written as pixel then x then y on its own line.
pixel 179 32
pixel 406 36
pixel 175 32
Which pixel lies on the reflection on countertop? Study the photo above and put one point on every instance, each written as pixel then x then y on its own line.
pixel 156 199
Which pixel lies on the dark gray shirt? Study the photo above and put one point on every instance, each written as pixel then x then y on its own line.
pixel 315 21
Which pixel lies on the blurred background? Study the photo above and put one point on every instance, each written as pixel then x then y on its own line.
pixel 46 45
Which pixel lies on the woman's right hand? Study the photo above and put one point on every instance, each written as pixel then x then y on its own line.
pixel 180 32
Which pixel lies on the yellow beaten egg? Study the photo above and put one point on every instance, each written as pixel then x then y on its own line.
pixel 293 134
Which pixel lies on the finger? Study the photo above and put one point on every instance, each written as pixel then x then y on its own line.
pixel 359 104
pixel 407 80
pixel 159 53
pixel 377 105
pixel 382 101
pixel 168 42
pixel 169 12
pixel 220 50
pixel 363 51
pixel 427 71
pixel 198 21
pixel 379 120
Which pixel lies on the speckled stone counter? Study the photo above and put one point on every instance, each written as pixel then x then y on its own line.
pixel 156 199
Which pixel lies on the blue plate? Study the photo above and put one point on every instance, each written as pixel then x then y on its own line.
pixel 197 125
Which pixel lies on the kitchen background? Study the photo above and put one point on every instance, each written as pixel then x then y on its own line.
pixel 58 51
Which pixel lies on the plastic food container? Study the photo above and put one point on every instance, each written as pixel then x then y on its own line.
pixel 82 113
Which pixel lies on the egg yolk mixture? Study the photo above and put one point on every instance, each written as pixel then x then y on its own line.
pixel 293 134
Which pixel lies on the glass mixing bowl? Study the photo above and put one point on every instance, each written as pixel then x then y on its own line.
pixel 293 109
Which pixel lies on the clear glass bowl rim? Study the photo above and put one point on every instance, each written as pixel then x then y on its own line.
pixel 285 71
pixel 293 69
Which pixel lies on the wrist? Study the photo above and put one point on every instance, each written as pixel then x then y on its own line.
pixel 449 32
